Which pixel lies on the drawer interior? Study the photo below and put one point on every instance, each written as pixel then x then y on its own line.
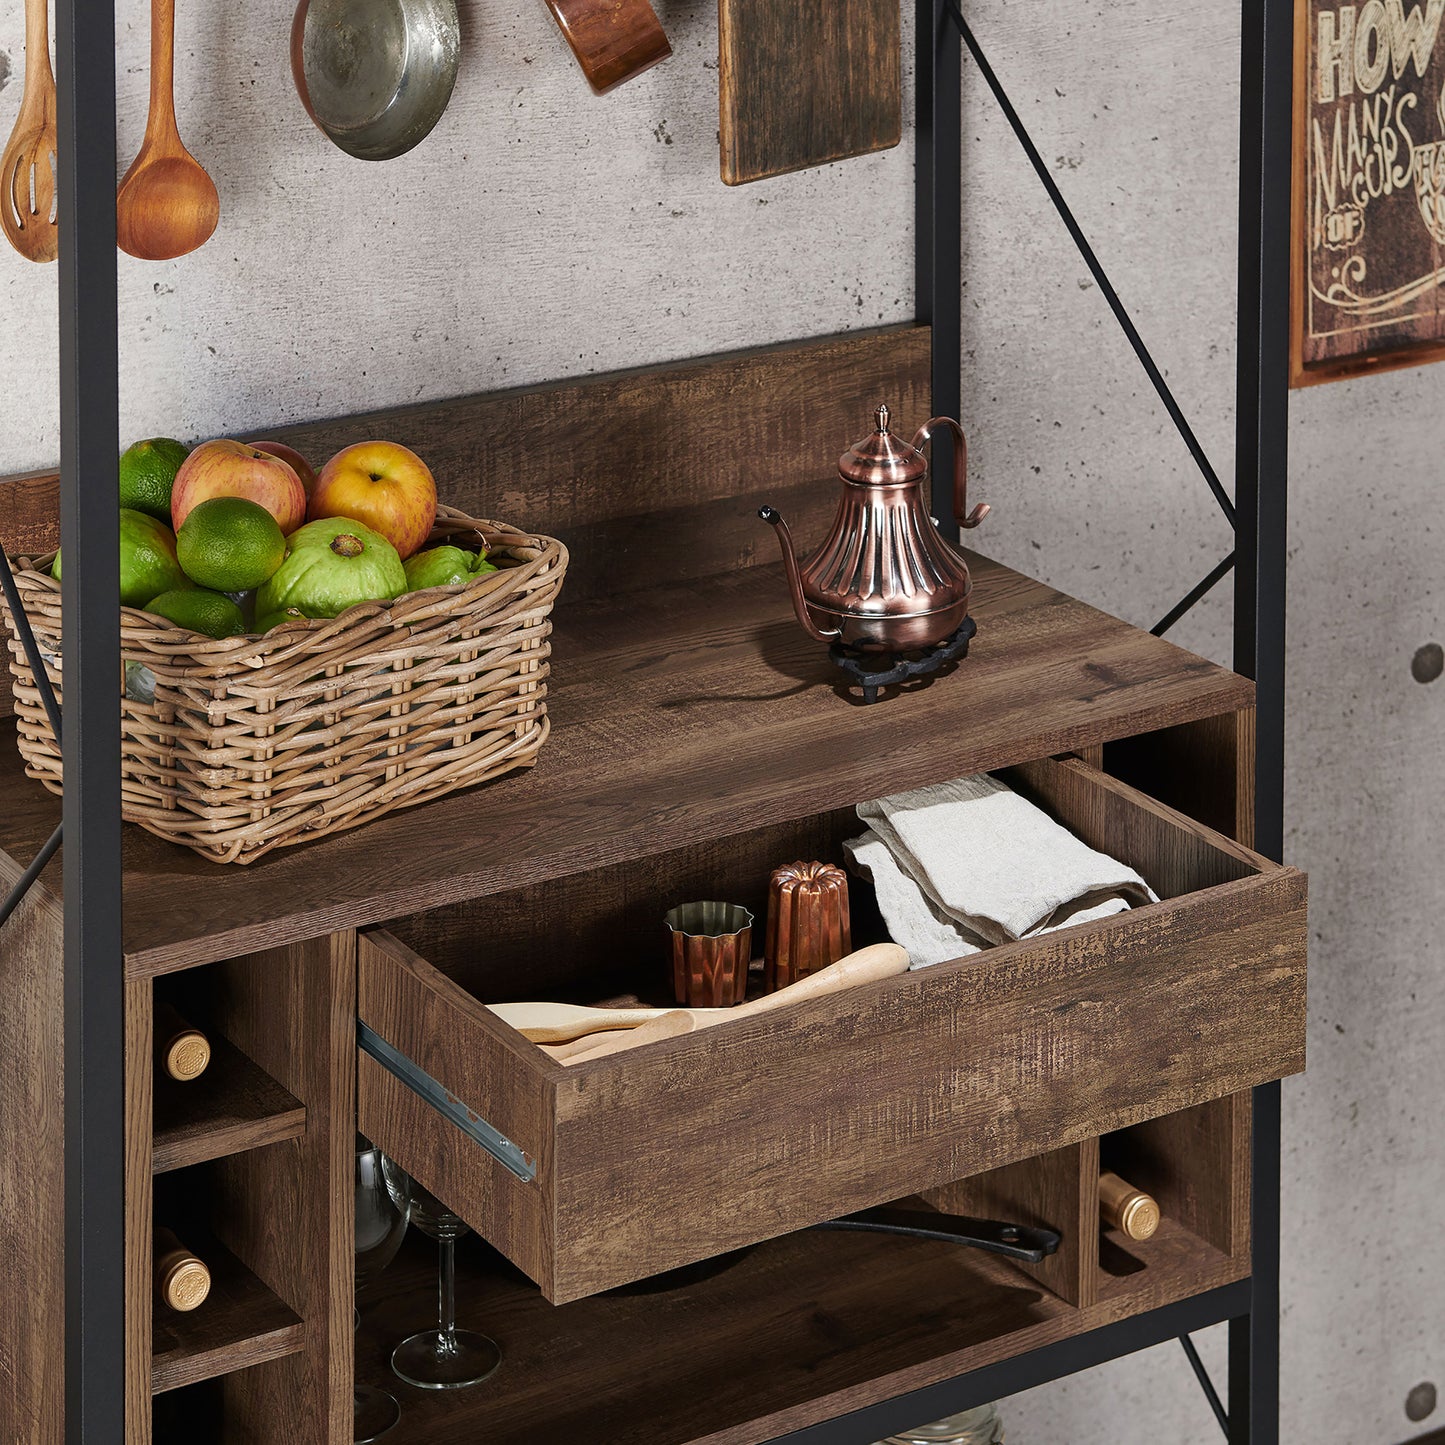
pixel 683 1149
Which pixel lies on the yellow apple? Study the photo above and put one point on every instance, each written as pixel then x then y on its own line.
pixel 383 484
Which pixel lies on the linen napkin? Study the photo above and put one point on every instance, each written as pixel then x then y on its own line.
pixel 987 865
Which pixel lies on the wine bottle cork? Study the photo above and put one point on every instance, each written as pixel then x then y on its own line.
pixel 1132 1212
pixel 182 1279
pixel 182 1051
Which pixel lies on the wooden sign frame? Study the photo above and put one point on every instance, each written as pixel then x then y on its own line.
pixel 1378 46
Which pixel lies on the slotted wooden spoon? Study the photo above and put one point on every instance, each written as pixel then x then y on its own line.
pixel 27 169
pixel 167 204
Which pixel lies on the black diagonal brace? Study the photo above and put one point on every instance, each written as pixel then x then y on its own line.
pixel 1206 1384
pixel 52 710
pixel 1205 583
pixel 1151 370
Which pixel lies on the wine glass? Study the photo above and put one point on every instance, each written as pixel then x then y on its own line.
pixel 445 1358
pixel 380 1228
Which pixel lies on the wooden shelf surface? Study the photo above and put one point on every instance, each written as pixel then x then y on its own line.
pixel 800 1330
pixel 241 1323
pixel 697 709
pixel 235 1105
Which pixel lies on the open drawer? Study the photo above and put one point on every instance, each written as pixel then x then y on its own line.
pixel 598 1174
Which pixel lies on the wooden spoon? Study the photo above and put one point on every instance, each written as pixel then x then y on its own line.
pixel 167 204
pixel 671 1025
pixel 557 1023
pixel 27 169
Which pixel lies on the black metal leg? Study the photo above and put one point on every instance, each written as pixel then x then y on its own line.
pixel 89 530
pixel 939 221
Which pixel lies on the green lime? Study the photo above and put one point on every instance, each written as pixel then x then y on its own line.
pixel 201 610
pixel 148 562
pixel 230 544
pixel 55 567
pixel 147 473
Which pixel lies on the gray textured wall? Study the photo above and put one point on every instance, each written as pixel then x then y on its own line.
pixel 542 232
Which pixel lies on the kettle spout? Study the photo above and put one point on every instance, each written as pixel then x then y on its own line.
pixel 774 519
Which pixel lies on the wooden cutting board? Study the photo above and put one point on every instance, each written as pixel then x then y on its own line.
pixel 806 82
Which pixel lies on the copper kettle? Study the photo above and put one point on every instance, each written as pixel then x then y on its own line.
pixel 885 579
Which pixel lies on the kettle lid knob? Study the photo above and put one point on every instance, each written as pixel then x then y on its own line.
pixel 880 416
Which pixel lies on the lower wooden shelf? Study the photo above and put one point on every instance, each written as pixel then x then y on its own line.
pixel 241 1323
pixel 796 1331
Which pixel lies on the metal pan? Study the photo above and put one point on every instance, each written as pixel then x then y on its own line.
pixel 375 75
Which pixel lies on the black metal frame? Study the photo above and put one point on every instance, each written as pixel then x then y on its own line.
pixel 94 990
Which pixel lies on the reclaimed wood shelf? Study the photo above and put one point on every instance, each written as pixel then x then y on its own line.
pixel 234 1106
pixel 694 710
pixel 802 1329
pixel 241 1323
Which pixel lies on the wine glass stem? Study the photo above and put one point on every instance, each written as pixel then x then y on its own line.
pixel 447 1296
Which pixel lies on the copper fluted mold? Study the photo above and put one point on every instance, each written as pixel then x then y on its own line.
pixel 712 946
pixel 808 922
pixel 885 579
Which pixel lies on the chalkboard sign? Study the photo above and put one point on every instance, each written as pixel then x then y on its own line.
pixel 1369 187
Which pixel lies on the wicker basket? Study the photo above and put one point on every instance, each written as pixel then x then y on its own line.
pixel 255 743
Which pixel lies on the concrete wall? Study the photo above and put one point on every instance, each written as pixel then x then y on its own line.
pixel 542 232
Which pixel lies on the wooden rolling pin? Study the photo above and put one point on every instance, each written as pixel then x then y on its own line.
pixel 559 1023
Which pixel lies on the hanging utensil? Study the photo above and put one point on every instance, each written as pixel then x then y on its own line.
pixel 167 205
pixel 27 169
pixel 375 75
pixel 613 40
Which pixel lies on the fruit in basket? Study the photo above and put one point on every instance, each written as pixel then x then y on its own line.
pixel 384 485
pixel 147 474
pixel 201 610
pixel 444 567
pixel 148 563
pixel 293 459
pixel 275 619
pixel 233 469
pixel 230 544
pixel 332 564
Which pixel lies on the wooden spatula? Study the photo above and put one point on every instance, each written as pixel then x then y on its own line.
pixel 557 1023
pixel 27 170
pixel 671 1025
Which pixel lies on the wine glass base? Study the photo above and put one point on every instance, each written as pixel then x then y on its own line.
pixel 431 1363
pixel 376 1413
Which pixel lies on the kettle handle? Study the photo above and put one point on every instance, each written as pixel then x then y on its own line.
pixel 961 514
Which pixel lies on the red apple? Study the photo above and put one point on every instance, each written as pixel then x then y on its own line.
pixel 293 459
pixel 382 484
pixel 234 469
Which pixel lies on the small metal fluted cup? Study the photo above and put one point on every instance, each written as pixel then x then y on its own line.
pixel 712 946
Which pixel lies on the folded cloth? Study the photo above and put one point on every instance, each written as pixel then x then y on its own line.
pixel 993 864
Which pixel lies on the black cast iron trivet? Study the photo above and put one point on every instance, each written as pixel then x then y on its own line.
pixel 874 670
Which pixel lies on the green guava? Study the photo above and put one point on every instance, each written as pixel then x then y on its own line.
pixel 330 565
pixel 444 567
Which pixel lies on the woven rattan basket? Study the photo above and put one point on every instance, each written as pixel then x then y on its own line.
pixel 255 743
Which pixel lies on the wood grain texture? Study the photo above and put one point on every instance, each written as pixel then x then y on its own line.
pixel 805 1328
pixel 699 711
pixel 287 1210
pixel 232 1107
pixel 806 84
pixel 1058 1190
pixel 32 1327
pixel 139 1208
pixel 692 1146
pixel 1196 1165
pixel 241 1324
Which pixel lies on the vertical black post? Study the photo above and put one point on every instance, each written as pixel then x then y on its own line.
pixel 94 1018
pixel 938 223
pixel 1261 469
